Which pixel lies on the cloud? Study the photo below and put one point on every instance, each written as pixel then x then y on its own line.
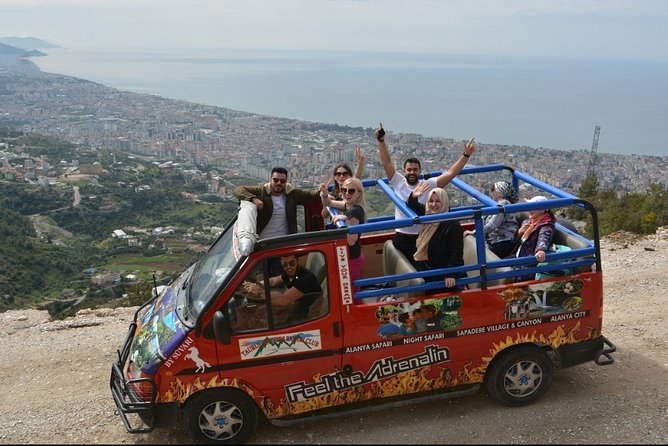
pixel 581 28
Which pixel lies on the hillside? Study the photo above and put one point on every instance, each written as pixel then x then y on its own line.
pixel 27 43
pixel 57 375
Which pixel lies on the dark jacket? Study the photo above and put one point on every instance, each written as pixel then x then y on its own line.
pixel 446 247
pixel 293 196
pixel 540 238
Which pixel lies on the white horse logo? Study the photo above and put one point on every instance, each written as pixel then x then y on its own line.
pixel 199 362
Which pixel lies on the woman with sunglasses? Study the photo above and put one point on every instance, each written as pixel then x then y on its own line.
pixel 353 213
pixel 342 172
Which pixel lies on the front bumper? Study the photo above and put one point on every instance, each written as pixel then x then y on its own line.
pixel 124 391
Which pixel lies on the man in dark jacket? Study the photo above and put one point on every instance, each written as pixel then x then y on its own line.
pixel 276 203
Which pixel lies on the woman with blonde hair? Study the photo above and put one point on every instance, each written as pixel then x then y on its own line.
pixel 353 213
pixel 342 172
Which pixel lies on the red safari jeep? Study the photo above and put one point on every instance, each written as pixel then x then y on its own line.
pixel 207 353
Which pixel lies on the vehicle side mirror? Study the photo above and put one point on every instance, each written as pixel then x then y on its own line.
pixel 221 328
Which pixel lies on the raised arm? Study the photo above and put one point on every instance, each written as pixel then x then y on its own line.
pixel 359 170
pixel 443 179
pixel 385 158
pixel 325 197
pixel 412 200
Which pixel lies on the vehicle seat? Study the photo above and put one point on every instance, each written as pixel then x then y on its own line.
pixel 321 305
pixel 315 262
pixel 471 258
pixel 562 237
pixel 394 262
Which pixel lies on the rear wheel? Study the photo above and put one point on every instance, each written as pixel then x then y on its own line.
pixel 221 416
pixel 520 376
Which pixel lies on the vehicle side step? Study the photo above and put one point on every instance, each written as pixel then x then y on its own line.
pixel 375 407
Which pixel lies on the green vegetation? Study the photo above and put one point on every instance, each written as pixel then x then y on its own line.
pixel 632 212
pixel 49 244
pixel 54 252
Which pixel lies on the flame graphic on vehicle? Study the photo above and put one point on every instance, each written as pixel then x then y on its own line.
pixel 413 381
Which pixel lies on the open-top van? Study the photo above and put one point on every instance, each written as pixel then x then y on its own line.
pixel 209 355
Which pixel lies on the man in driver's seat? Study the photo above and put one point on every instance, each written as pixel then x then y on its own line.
pixel 301 288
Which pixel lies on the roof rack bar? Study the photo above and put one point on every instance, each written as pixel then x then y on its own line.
pixel 473 192
pixel 541 185
pixel 396 200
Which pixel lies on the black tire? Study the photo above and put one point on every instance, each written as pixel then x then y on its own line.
pixel 519 376
pixel 220 416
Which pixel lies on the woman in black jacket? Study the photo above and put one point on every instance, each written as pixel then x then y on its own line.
pixel 441 244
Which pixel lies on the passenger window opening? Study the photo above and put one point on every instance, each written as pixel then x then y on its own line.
pixel 280 291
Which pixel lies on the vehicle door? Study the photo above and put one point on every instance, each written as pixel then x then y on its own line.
pixel 279 351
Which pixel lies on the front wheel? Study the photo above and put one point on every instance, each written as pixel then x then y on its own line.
pixel 220 416
pixel 520 376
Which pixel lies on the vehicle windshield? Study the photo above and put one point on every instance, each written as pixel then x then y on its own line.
pixel 210 273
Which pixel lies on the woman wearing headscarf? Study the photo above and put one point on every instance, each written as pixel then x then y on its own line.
pixel 500 228
pixel 536 233
pixel 439 244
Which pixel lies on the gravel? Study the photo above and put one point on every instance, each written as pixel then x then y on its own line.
pixel 54 381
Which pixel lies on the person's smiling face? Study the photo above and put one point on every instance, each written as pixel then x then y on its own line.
pixel 412 172
pixel 290 264
pixel 278 182
pixel 341 175
pixel 351 194
pixel 434 204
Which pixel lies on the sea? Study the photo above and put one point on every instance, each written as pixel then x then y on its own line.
pixel 538 102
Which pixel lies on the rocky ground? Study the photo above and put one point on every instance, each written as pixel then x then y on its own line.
pixel 54 379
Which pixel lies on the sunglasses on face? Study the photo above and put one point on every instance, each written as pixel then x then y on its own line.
pixel 350 191
pixel 342 174
pixel 290 264
pixel 279 180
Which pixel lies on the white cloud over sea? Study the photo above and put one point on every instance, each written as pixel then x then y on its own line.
pixel 606 29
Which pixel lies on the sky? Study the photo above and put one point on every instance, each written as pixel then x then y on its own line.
pixel 606 29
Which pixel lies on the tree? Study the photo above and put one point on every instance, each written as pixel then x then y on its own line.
pixel 589 187
pixel 588 190
pixel 140 293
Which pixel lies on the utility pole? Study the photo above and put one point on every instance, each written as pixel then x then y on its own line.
pixel 591 167
pixel 589 187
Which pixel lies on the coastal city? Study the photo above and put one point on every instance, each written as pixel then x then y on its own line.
pixel 245 145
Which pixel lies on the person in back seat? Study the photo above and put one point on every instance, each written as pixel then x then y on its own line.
pixel 352 206
pixel 536 234
pixel 441 244
pixel 500 228
pixel 342 172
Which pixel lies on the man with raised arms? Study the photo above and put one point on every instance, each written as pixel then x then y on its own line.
pixel 403 185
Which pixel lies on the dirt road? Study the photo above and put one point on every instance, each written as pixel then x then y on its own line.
pixel 54 380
